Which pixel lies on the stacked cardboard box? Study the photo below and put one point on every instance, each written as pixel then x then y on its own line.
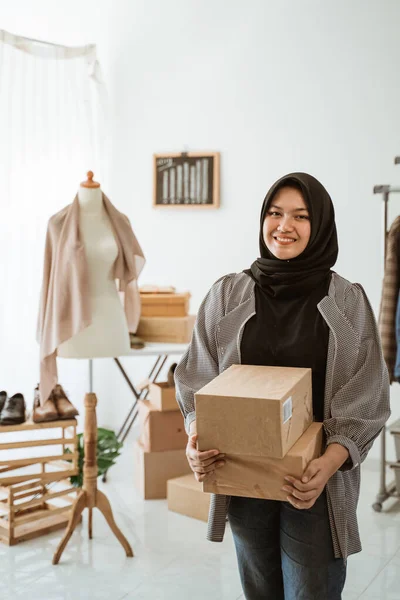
pixel 186 497
pixel 160 452
pixel 165 317
pixel 261 419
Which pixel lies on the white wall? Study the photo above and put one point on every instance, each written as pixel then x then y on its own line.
pixel 275 87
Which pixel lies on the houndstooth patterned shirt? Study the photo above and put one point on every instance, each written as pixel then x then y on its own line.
pixel 356 404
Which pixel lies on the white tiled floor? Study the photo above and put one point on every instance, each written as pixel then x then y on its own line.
pixel 173 561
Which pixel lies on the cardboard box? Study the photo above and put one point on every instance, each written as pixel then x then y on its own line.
pixel 162 396
pixel 160 431
pixel 262 477
pixel 165 305
pixel 153 469
pixel 174 330
pixel 254 410
pixel 186 497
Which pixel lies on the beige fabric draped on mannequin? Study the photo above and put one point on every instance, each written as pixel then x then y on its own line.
pixel 64 304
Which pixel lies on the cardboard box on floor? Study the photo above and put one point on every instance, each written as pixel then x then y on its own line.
pixel 173 330
pixel 262 477
pixel 153 469
pixel 160 431
pixel 186 497
pixel 254 410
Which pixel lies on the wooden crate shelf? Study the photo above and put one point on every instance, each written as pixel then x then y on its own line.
pixel 35 493
pixel 29 425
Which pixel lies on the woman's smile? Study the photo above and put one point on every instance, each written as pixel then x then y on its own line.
pixel 283 241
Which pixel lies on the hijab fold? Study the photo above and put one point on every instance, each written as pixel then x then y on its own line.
pixel 299 275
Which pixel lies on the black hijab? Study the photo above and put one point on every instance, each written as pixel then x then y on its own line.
pixel 299 275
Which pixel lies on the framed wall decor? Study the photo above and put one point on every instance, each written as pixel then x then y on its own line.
pixel 186 179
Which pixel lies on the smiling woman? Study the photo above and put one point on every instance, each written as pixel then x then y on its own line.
pixel 291 310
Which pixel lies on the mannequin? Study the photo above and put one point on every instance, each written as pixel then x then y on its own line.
pixel 108 334
pixel 90 246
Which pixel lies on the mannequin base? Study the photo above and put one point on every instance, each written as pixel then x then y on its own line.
pixel 90 497
pixel 103 504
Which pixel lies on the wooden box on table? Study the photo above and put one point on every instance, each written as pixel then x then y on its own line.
pixel 164 305
pixel 167 330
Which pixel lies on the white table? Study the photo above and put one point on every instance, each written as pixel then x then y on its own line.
pixel 152 349
pixel 161 352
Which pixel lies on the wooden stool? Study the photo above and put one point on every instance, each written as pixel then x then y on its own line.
pixel 90 497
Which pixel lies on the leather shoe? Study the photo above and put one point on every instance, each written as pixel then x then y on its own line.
pixel 65 408
pixel 13 412
pixel 41 414
pixel 3 398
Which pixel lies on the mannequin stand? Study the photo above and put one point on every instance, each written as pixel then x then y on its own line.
pixel 90 497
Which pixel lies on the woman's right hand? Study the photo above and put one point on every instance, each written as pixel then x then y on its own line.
pixel 202 463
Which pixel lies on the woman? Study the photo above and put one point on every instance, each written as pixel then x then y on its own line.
pixel 290 309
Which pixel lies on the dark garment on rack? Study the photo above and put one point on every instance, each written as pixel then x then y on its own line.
pixel 397 364
pixel 290 332
pixel 390 294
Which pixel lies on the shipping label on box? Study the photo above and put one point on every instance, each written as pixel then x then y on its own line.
pixel 254 410
pixel 262 477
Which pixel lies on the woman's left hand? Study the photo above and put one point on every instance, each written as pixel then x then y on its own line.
pixel 303 494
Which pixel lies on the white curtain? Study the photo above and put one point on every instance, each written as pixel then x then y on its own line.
pixel 53 109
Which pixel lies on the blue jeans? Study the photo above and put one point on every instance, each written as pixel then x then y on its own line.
pixel 285 553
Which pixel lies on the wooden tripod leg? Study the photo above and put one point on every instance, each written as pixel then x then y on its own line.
pixel 104 506
pixel 79 505
pixel 90 523
pixel 90 496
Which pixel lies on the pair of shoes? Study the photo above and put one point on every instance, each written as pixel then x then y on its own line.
pixel 56 407
pixel 12 410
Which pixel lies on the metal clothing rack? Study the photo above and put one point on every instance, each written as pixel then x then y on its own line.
pixel 385 491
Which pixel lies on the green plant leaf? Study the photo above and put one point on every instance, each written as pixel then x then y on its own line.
pixel 108 450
